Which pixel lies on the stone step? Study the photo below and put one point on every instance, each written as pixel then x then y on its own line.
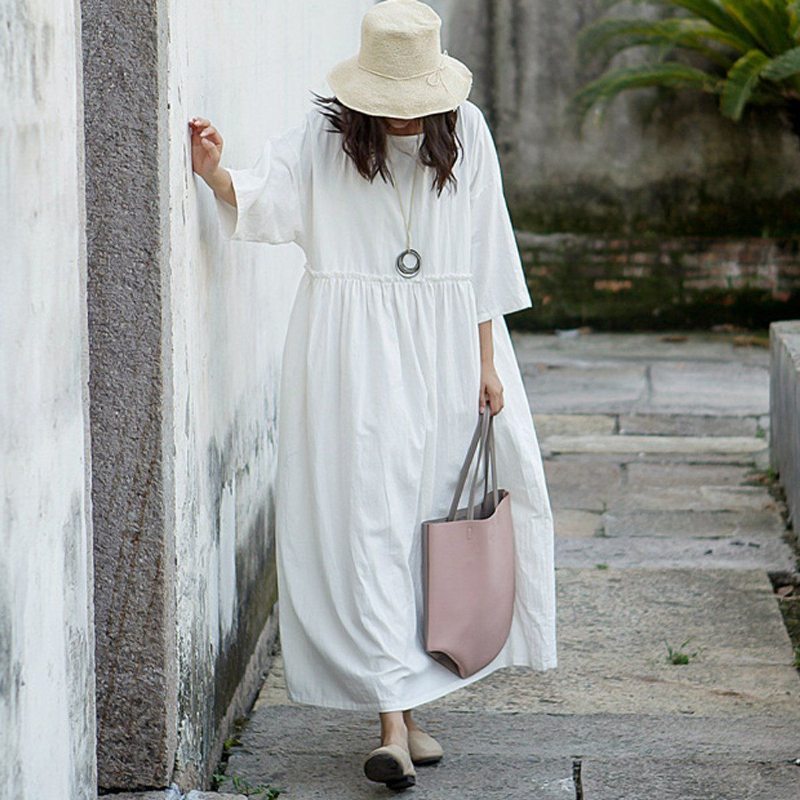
pixel 291 728
pixel 649 485
pixel 770 555
pixel 684 445
pixel 747 525
pixel 614 627
pixel 318 753
pixel 617 387
pixel 648 424
pixel 689 779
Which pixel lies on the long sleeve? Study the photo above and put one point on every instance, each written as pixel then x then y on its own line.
pixel 497 273
pixel 269 195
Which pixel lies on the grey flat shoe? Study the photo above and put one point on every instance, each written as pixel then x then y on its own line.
pixel 390 764
pixel 423 748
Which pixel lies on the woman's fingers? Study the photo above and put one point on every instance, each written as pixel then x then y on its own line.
pixel 206 145
pixel 496 404
pixel 205 130
pixel 212 134
pixel 493 396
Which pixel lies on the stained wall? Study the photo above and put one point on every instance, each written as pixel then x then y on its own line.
pixel 249 69
pixel 47 725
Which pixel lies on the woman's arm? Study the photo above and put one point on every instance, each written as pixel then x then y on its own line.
pixel 491 388
pixel 206 155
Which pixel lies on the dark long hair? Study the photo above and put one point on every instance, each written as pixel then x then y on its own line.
pixel 364 140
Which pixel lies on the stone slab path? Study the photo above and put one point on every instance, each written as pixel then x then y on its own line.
pixel 666 536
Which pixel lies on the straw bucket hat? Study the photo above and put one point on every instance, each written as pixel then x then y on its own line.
pixel 400 70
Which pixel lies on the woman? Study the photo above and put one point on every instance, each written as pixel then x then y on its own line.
pixel 395 340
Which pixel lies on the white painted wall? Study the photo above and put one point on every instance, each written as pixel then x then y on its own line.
pixel 47 729
pixel 248 67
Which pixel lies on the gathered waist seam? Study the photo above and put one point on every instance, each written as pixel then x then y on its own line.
pixel 366 276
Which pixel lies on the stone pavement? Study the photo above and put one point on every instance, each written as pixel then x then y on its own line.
pixel 666 536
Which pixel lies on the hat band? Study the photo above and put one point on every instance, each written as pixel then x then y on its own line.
pixel 434 73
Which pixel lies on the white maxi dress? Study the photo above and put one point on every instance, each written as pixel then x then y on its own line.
pixel 379 395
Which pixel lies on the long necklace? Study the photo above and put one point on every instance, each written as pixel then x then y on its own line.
pixel 402 264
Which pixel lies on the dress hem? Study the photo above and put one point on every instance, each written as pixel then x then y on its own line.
pixel 380 708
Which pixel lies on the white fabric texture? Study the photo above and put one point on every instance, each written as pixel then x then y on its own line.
pixel 378 401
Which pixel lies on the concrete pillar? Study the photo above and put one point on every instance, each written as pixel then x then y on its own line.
pixel 129 323
pixel 784 410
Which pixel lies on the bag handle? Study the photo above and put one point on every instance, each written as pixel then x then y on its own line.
pixel 462 477
pixel 484 433
pixel 487 449
pixel 485 510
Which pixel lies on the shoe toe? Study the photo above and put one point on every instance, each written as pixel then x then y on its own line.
pixel 423 748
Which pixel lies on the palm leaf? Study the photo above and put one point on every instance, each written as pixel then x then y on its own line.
pixel 784 66
pixel 668 73
pixel 742 79
pixel 709 10
pixel 721 18
pixel 612 36
pixel 769 27
pixel 763 36
pixel 778 12
pixel 793 10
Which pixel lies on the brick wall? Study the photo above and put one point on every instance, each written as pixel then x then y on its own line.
pixel 658 282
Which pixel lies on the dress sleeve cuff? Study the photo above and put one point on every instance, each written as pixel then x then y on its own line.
pixel 246 187
pixel 502 310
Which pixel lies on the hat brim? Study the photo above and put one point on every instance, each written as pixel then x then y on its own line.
pixel 401 99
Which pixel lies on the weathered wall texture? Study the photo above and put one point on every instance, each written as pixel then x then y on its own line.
pixel 659 165
pixel 667 164
pixel 784 410
pixel 47 728
pixel 249 71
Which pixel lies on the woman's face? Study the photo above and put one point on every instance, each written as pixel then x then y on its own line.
pixel 401 126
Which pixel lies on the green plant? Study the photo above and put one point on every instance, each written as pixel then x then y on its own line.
pixel 243 786
pixel 797 656
pixel 678 655
pixel 770 474
pixel 743 51
pixel 601 566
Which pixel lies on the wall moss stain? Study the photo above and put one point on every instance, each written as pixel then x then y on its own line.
pixel 256 601
pixel 681 206
pixel 236 561
pixel 653 282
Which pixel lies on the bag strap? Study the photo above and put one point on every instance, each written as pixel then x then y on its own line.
pixel 485 508
pixel 487 450
pixel 484 435
pixel 486 419
pixel 462 477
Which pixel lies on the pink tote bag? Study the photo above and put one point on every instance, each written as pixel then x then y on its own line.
pixel 468 568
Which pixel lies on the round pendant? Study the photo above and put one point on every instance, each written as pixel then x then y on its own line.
pixel 405 268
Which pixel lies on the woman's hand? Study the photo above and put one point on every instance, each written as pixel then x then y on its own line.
pixel 206 155
pixel 491 388
pixel 206 148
